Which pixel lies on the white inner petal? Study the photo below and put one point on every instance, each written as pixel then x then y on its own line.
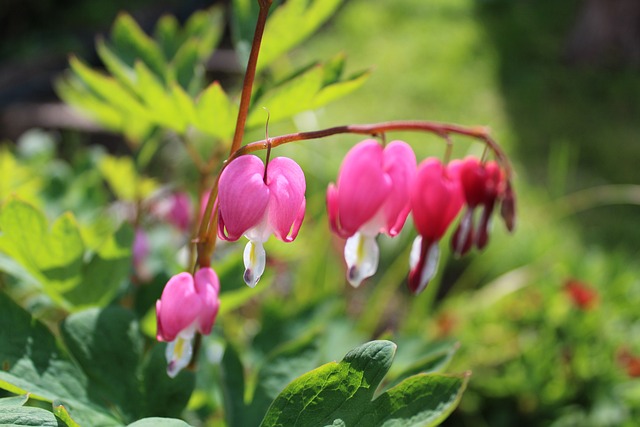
pixel 414 255
pixel 255 259
pixel 361 254
pixel 430 266
pixel 179 351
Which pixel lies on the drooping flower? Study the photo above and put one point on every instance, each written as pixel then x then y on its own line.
pixel 371 196
pixel 175 209
pixel 436 199
pixel 188 305
pixel 482 185
pixel 257 204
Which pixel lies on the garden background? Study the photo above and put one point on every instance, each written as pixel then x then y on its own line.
pixel 546 318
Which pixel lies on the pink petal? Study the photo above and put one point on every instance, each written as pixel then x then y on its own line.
pixel 178 307
pixel 362 186
pixel 400 165
pixel 435 199
pixel 207 287
pixel 242 195
pixel 286 183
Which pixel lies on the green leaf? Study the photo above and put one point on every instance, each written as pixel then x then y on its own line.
pixel 27 416
pixel 339 89
pixel 123 179
pixel 132 44
pixel 288 99
pixel 52 256
pixel 14 401
pixel 167 35
pixel 343 394
pixel 107 344
pixel 16 178
pixel 157 99
pixel 159 422
pixel 307 90
pixel 216 113
pixel 61 412
pixel 290 24
pixel 164 396
pixel 108 89
pixel 120 69
pixel 33 364
pixel 107 268
pixel 280 368
pixel 233 387
pixel 434 359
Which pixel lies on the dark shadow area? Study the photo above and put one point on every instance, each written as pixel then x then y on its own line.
pixel 576 126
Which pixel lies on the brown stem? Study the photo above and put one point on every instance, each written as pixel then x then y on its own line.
pixel 206 237
pixel 249 77
pixel 441 129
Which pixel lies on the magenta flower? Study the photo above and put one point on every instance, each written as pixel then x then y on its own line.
pixel 371 196
pixel 482 185
pixel 180 211
pixel 175 209
pixel 436 199
pixel 257 204
pixel 187 305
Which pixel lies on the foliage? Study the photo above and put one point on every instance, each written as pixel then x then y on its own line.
pixel 77 340
pixel 158 82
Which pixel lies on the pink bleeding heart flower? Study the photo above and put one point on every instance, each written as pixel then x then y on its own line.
pixel 188 305
pixel 180 211
pixel 482 185
pixel 371 196
pixel 436 199
pixel 258 204
pixel 174 209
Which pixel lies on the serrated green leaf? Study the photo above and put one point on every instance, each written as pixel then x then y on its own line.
pixel 27 416
pixel 132 44
pixel 159 422
pixel 216 113
pixel 342 394
pixel 14 401
pixel 290 24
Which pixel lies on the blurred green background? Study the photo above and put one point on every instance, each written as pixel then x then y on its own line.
pixel 569 121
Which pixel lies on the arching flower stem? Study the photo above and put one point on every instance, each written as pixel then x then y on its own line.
pixel 444 130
